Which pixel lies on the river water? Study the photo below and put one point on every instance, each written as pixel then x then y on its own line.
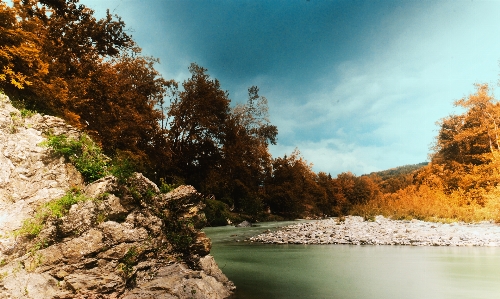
pixel 344 271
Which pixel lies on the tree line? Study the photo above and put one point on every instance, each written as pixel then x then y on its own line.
pixel 58 58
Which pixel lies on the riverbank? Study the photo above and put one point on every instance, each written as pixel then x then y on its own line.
pixel 383 231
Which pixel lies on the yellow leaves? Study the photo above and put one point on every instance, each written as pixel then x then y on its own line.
pixel 16 78
pixel 19 54
pixel 479 99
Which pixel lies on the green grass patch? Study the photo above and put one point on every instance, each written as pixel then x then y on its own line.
pixel 26 113
pixel 53 209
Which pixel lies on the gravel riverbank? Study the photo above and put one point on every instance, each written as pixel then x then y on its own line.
pixel 383 231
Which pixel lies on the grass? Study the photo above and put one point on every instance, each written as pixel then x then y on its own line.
pixel 54 209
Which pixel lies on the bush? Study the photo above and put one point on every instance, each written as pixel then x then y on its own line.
pixel 122 169
pixel 165 187
pixel 84 153
pixel 216 212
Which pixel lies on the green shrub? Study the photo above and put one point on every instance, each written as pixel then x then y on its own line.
pixel 84 153
pixel 61 206
pixel 26 113
pixel 165 187
pixel 22 107
pixel 217 212
pixel 122 168
pixel 128 261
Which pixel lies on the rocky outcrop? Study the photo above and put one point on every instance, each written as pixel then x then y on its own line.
pixel 122 239
pixel 29 175
pixel 383 231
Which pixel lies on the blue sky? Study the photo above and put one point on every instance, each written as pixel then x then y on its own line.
pixel 354 85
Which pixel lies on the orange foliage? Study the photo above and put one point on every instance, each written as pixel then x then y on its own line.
pixel 463 180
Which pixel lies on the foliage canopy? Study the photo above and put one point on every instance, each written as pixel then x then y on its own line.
pixel 58 58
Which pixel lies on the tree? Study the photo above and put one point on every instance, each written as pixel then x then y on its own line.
pixel 197 127
pixel 72 43
pixel 333 202
pixel 292 189
pixel 355 190
pixel 120 110
pixel 219 150
pixel 20 57
pixel 470 138
pixel 59 59
pixel 467 147
pixel 247 160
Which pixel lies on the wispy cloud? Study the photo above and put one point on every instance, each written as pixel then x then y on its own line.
pixel 356 86
pixel 379 112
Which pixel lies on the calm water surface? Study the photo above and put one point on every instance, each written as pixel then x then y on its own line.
pixel 343 271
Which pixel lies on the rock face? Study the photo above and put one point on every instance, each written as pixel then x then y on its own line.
pixel 124 240
pixel 383 231
pixel 29 175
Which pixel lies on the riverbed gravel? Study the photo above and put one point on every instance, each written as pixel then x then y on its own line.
pixel 354 230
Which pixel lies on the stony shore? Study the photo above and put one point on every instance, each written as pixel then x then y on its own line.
pixel 383 231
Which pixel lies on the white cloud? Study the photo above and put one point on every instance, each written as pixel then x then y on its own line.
pixel 382 110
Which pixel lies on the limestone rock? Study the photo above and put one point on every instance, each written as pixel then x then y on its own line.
pixel 202 245
pixel 383 231
pixel 178 281
pixel 115 244
pixel 105 185
pixel 185 203
pixel 118 233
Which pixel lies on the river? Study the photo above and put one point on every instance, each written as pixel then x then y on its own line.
pixel 344 271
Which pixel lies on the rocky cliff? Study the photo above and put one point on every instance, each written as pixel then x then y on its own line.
pixel 119 238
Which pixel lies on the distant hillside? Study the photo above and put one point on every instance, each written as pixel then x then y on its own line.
pixel 398 171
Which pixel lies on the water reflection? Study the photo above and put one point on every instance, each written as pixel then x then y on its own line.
pixel 342 271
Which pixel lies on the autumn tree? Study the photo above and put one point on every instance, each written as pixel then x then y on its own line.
pixel 20 55
pixel 121 111
pixel 72 43
pixel 222 151
pixel 470 138
pixel 59 59
pixel 197 127
pixel 292 188
pixel 465 155
pixel 247 159
pixel 332 201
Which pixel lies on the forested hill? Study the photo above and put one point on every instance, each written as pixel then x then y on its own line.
pixel 398 171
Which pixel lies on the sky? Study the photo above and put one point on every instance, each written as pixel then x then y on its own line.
pixel 354 85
